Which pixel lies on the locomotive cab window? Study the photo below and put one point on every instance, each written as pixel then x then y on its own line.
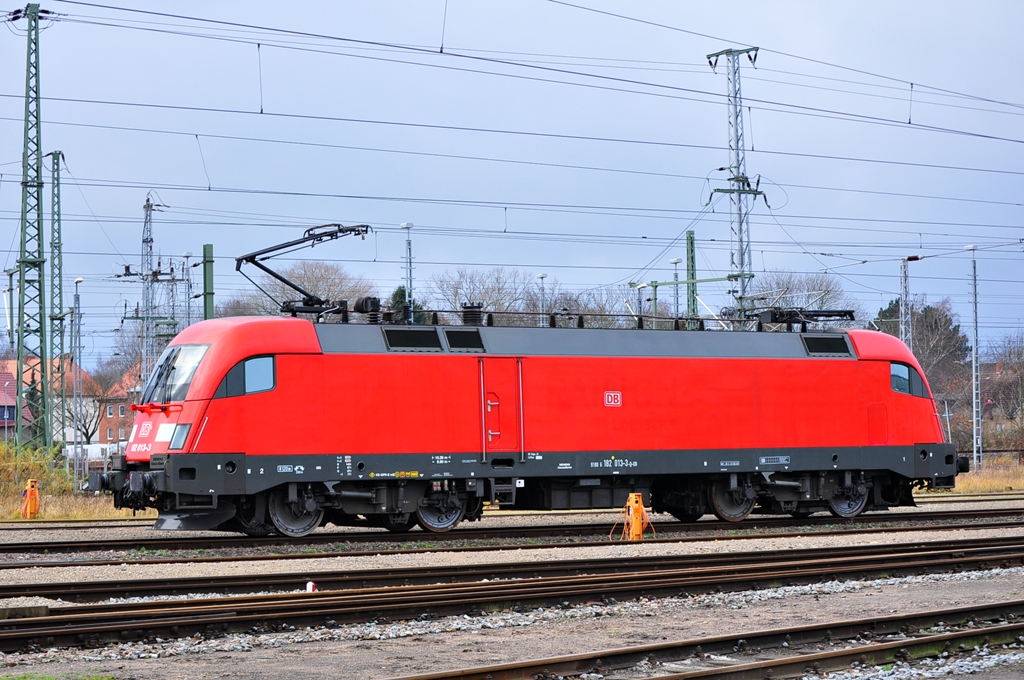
pixel 906 380
pixel 173 373
pixel 255 374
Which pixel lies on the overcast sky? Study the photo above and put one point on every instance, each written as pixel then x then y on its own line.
pixel 547 137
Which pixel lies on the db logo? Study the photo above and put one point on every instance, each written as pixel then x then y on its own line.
pixel 144 431
pixel 613 399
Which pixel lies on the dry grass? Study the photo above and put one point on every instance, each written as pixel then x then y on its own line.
pixel 17 466
pixel 68 506
pixel 991 478
pixel 1000 473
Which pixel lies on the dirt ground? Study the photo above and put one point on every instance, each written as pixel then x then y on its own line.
pixel 649 623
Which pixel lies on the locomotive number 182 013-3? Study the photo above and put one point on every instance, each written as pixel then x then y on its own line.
pixel 614 463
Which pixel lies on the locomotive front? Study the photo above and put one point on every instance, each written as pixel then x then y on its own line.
pixel 163 466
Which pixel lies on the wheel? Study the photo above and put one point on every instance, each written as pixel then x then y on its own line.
pixel 398 522
pixel 848 502
pixel 294 519
pixel 729 506
pixel 440 513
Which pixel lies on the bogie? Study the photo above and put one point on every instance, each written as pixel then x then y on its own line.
pixel 441 511
pixel 730 500
pixel 294 514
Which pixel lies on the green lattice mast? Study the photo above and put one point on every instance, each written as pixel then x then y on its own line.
pixel 32 338
pixel 58 402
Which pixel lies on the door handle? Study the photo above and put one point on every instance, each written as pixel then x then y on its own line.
pixel 492 403
pixel 491 433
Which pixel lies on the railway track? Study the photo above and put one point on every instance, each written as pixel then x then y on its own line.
pixel 118 522
pixel 781 653
pixel 73 524
pixel 431 548
pixel 169 543
pixel 991 497
pixel 349 579
pixel 95 624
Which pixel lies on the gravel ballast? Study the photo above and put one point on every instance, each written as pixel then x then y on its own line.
pixel 136 570
pixel 388 649
pixel 458 641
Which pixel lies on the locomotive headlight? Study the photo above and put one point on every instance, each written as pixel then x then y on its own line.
pixel 179 436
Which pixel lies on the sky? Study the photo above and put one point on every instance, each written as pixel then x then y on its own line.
pixel 578 139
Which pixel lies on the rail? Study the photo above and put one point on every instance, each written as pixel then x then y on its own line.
pixel 874 641
pixel 97 624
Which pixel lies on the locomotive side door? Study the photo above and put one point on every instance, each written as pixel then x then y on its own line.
pixel 501 406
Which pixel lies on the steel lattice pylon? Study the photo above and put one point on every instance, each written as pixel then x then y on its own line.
pixel 740 262
pixel 148 311
pixel 57 312
pixel 906 308
pixel 691 276
pixel 976 410
pixel 32 337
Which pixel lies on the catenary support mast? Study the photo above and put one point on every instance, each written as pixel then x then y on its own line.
pixel 975 365
pixel 146 271
pixel 906 305
pixel 32 365
pixel 740 264
pixel 58 351
pixel 691 275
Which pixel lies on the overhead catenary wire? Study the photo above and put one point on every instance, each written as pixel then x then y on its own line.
pixel 516 133
pixel 778 106
pixel 784 54
pixel 593 209
pixel 784 219
pixel 598 62
pixel 569 166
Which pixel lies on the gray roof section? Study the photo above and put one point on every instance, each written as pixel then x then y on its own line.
pixel 511 341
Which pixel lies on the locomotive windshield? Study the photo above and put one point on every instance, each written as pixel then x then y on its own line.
pixel 173 373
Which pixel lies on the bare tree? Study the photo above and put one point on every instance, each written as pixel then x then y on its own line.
pixel 90 423
pixel 603 307
pixel 498 289
pixel 243 304
pixel 518 298
pixel 6 350
pixel 505 292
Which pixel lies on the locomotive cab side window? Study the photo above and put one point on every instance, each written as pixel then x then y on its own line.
pixel 906 380
pixel 255 374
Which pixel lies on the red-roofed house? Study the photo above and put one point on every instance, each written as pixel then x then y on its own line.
pixel 116 416
pixel 91 392
pixel 8 403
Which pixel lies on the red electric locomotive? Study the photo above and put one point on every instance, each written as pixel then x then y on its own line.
pixel 266 424
pixel 263 424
